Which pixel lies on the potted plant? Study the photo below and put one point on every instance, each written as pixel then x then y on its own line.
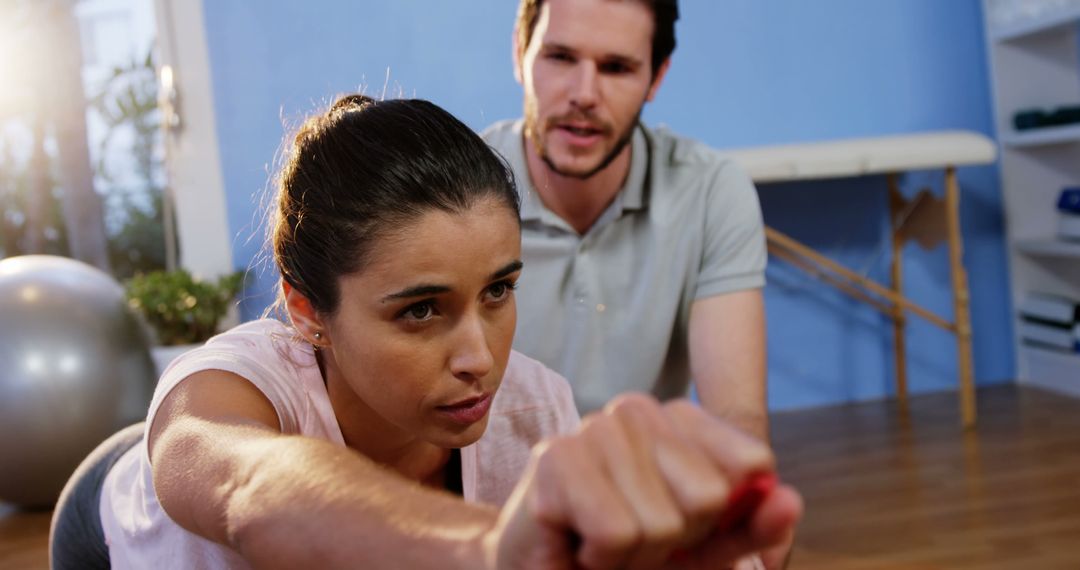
pixel 181 310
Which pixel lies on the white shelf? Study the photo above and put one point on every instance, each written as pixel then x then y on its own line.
pixel 1049 248
pixel 1035 63
pixel 1052 370
pixel 1045 23
pixel 1042 137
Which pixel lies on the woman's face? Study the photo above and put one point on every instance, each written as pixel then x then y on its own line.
pixel 422 334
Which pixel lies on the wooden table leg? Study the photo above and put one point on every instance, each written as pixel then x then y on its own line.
pixel 899 318
pixel 929 221
pixel 962 317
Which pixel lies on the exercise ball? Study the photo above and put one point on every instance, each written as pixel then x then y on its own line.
pixel 75 367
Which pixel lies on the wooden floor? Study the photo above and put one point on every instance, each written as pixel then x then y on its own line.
pixel 886 490
pixel 24 539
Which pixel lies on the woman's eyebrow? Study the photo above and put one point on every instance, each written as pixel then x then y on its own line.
pixel 507 269
pixel 417 291
pixel 428 289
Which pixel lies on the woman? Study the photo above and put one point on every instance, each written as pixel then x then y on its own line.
pixel 332 441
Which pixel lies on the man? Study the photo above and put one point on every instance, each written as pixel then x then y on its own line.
pixel 645 252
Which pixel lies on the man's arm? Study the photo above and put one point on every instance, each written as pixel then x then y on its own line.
pixel 727 358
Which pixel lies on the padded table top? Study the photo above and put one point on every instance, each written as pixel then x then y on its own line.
pixel 862 156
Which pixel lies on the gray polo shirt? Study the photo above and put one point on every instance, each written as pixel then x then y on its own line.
pixel 609 310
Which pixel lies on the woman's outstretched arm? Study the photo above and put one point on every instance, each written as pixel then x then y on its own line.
pixel 641 485
pixel 223 470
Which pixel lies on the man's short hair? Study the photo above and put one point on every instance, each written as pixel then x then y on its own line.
pixel 665 12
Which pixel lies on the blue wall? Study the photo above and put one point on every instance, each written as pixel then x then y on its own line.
pixel 746 72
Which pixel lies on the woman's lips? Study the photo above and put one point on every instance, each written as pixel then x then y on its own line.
pixel 467 411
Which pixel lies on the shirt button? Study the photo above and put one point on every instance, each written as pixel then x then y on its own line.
pixel 601 308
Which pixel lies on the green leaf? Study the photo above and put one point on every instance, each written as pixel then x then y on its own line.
pixel 180 308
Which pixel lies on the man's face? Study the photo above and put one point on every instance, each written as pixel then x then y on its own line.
pixel 586 74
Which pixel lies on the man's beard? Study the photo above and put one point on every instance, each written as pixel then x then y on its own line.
pixel 623 140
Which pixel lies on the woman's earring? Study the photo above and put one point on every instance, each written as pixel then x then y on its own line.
pixel 318 335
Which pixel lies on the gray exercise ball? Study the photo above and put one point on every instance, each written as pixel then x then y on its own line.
pixel 75 367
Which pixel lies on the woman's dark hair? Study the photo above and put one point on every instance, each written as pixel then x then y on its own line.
pixel 364 169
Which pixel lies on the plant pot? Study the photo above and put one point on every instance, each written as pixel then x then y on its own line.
pixel 164 355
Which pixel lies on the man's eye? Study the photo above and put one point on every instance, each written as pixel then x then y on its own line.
pixel 562 57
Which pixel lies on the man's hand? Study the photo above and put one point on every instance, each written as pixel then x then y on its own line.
pixel 640 485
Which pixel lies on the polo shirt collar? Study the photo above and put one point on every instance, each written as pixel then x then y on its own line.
pixel 632 196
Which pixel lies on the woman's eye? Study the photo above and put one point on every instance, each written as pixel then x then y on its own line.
pixel 501 290
pixel 419 312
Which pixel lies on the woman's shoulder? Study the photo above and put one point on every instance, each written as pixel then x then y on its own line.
pixel 264 341
pixel 254 332
pixel 265 352
pixel 529 384
pixel 533 404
